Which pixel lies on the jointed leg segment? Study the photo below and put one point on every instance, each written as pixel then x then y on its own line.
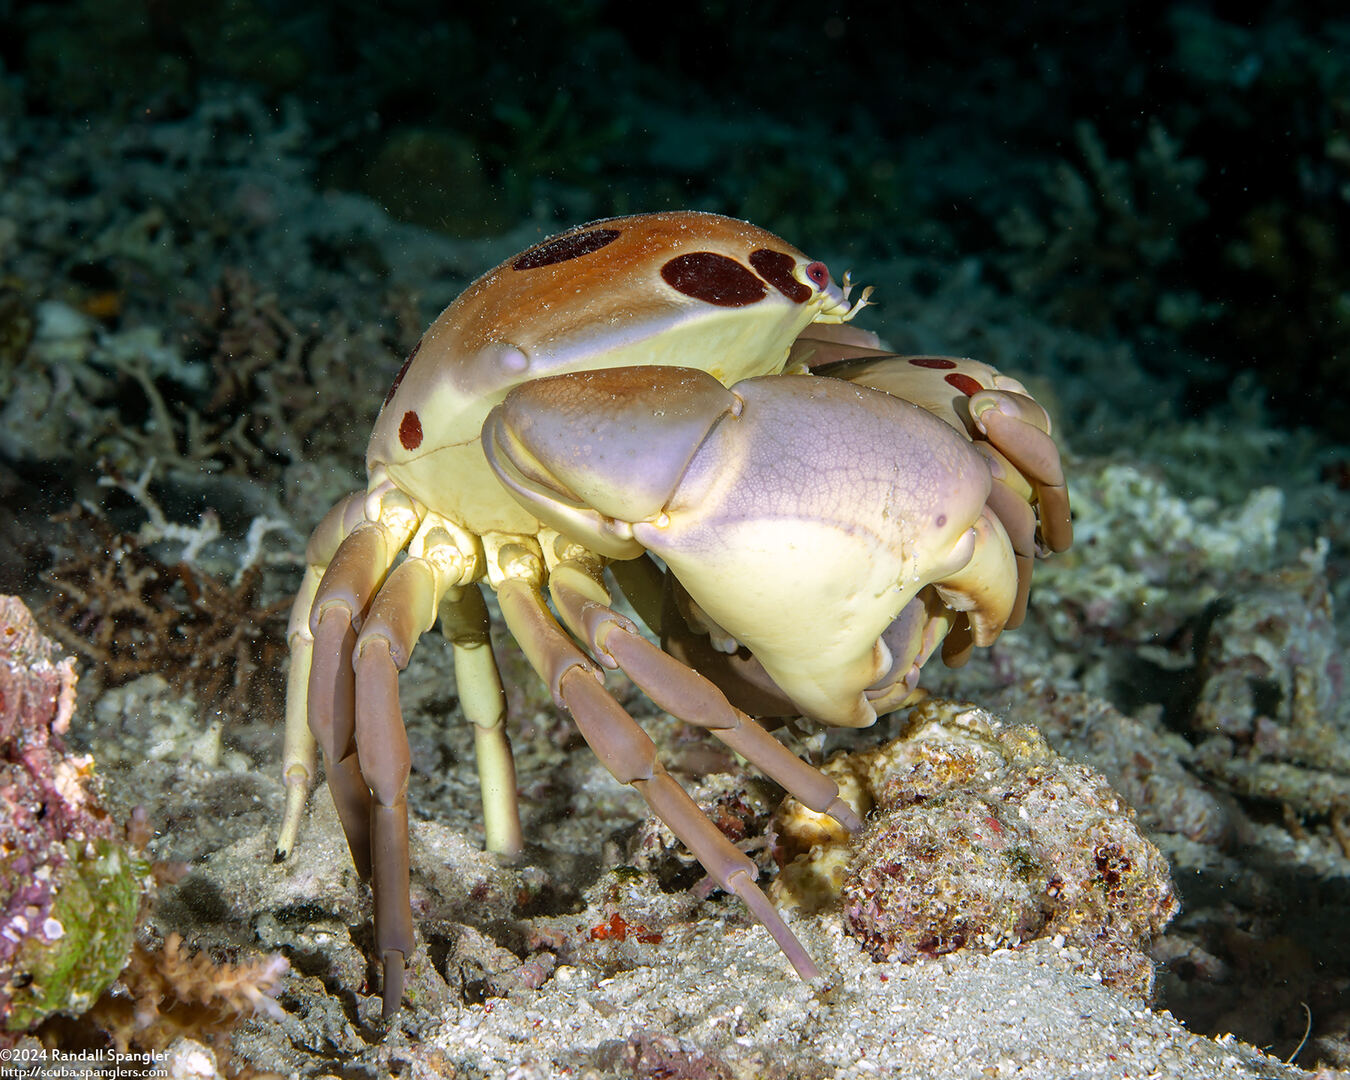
pixel 464 620
pixel 1019 427
pixel 630 755
pixel 298 763
pixel 403 610
pixel 439 562
pixel 686 694
pixel 358 568
pixel 353 629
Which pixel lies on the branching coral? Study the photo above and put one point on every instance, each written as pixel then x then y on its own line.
pixel 273 384
pixel 170 991
pixel 251 393
pixel 16 329
pixel 130 613
pixel 1111 228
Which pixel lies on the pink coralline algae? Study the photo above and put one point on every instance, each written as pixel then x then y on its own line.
pixel 69 890
pixel 981 836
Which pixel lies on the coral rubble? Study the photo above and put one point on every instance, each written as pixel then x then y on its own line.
pixel 1271 717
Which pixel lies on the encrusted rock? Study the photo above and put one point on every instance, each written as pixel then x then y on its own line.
pixel 1271 713
pixel 69 890
pixel 982 836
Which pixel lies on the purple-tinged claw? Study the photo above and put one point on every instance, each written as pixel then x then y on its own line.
pixel 592 451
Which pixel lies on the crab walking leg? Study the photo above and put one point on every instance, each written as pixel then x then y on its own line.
pixel 959 642
pixel 630 755
pixel 357 569
pixel 644 585
pixel 298 757
pixel 402 611
pixel 685 693
pixel 298 752
pixel 464 620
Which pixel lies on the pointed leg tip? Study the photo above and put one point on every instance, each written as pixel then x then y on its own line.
pixel 393 984
pixel 845 815
pixel 772 920
pixel 805 967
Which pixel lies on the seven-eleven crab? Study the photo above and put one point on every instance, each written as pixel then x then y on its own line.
pixel 611 393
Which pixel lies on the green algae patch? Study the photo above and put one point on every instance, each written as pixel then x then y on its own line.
pixel 84 941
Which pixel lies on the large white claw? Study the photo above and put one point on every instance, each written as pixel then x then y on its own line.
pixel 802 518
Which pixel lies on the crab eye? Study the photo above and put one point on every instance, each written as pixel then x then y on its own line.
pixel 819 274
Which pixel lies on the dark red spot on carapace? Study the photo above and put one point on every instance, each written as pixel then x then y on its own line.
pixel 775 267
pixel 714 279
pixel 964 383
pixel 939 363
pixel 410 431
pixel 401 372
pixel 563 248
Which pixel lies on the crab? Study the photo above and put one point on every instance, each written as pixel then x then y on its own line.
pixel 617 393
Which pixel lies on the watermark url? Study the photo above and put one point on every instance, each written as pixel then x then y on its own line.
pixel 35 1062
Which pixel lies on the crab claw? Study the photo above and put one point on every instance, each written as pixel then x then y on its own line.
pixel 985 587
pixel 592 452
pixel 1007 425
pixel 800 514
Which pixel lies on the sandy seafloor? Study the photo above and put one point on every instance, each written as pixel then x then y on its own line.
pixel 712 998
pixel 1182 522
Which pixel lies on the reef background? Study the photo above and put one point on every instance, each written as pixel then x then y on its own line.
pixel 221 230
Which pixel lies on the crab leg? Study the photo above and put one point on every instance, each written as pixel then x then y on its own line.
pixel 441 564
pixel 298 764
pixel 465 622
pixel 644 585
pixel 630 755
pixel 686 694
pixel 344 593
pixel 1019 521
pixel 404 609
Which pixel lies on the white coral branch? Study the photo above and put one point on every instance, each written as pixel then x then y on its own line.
pixel 196 538
pixel 158 528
